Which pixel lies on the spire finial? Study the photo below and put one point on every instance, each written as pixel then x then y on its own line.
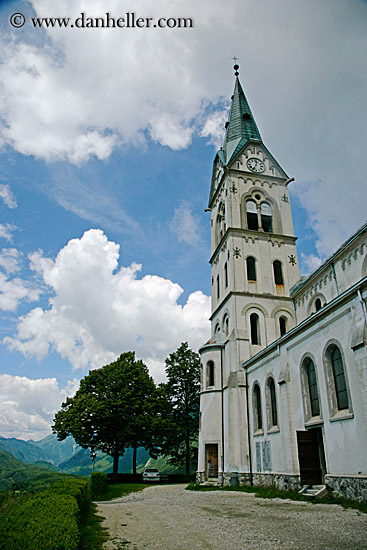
pixel 235 66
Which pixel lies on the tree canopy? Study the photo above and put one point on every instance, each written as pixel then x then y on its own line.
pixel 183 395
pixel 116 406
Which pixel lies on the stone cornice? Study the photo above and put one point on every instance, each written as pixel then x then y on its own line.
pixel 249 233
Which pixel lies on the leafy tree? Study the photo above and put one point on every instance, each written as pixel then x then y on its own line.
pixel 183 395
pixel 115 407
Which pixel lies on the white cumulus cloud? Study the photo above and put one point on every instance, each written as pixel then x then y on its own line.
pixel 10 260
pixel 27 407
pixel 214 127
pixel 6 231
pixel 98 310
pixel 83 92
pixel 6 194
pixel 13 291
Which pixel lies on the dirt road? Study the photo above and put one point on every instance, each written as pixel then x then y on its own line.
pixel 171 518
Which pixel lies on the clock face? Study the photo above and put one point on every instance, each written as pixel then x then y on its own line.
pixel 255 165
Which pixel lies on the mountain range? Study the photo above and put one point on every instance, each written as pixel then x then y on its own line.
pixel 68 457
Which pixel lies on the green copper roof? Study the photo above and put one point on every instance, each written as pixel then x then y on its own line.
pixel 241 125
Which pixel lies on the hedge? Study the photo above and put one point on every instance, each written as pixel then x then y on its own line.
pixel 98 484
pixel 48 520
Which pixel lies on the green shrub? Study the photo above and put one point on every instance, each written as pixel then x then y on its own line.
pixel 47 520
pixel 98 484
pixel 77 488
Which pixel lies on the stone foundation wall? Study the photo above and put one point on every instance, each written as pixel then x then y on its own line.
pixel 283 481
pixel 350 487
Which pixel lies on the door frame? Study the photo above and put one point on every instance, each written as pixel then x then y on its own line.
pixel 209 448
pixel 311 456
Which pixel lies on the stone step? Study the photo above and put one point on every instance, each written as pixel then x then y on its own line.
pixel 313 490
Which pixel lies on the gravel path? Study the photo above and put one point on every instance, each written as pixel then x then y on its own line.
pixel 171 518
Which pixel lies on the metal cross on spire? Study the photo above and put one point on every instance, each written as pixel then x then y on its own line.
pixel 235 66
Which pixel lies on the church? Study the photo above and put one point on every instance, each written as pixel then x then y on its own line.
pixel 284 375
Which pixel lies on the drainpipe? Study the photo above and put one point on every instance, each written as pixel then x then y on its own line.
pixel 294 311
pixel 222 410
pixel 248 429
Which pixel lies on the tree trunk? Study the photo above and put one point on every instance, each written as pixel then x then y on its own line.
pixel 188 453
pixel 116 456
pixel 134 460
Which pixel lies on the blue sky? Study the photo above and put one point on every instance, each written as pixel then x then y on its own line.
pixel 107 139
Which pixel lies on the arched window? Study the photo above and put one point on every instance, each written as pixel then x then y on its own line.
pixel 251 213
pixel 273 403
pixel 251 268
pixel 226 325
pixel 266 217
pixel 226 274
pixel 254 329
pixel 217 328
pixel 282 325
pixel 218 288
pixel 210 374
pixel 318 304
pixel 312 386
pixel 258 418
pixel 339 378
pixel 221 222
pixel 278 275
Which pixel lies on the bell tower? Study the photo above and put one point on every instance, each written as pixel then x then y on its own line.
pixel 254 265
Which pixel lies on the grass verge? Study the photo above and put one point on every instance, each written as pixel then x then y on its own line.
pixel 92 534
pixel 274 492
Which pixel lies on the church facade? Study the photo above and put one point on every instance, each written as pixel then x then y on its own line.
pixel 284 374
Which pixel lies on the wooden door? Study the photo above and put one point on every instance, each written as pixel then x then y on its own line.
pixel 212 460
pixel 309 457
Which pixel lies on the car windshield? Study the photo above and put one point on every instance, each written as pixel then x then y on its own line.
pixel 154 470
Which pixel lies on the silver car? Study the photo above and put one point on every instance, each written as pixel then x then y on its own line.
pixel 151 474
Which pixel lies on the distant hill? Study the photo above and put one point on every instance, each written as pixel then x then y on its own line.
pixel 57 451
pixel 15 474
pixel 47 465
pixel 81 463
pixel 23 450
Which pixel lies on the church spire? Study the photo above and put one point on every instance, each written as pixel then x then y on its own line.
pixel 241 125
